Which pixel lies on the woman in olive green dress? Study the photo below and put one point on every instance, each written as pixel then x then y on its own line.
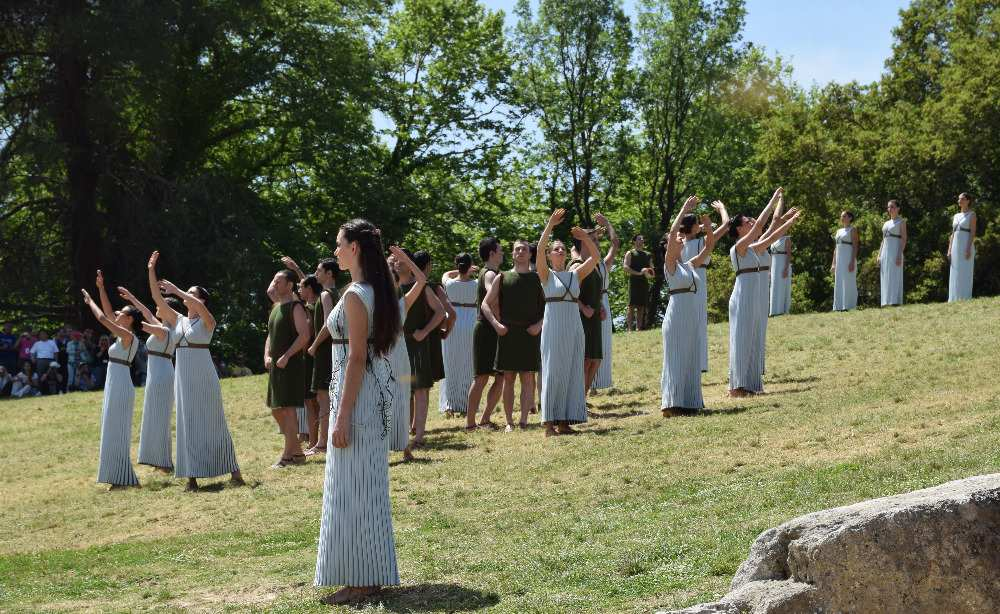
pixel 322 348
pixel 425 315
pixel 288 335
pixel 590 313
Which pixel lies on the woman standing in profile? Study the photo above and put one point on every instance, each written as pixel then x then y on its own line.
pixel 962 250
pixel 845 264
pixel 890 256
pixel 604 375
pixel 158 402
pixel 691 231
pixel 115 467
pixel 204 445
pixel 357 549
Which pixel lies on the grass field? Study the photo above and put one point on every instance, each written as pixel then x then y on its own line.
pixel 635 514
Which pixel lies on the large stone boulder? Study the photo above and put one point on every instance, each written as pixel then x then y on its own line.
pixel 934 550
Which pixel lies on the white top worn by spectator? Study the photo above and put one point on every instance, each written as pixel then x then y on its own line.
pixel 45 350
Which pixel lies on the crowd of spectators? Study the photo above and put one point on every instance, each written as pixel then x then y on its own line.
pixel 33 363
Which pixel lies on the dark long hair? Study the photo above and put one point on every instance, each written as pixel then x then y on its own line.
pixel 734 224
pixel 385 313
pixel 464 262
pixel 136 316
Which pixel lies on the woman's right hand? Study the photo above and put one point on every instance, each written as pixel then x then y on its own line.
pixel 267 363
pixel 557 217
pixel 419 335
pixel 311 350
pixel 501 330
pixel 125 294
pixel 100 279
pixel 341 435
pixel 153 258
pixel 86 297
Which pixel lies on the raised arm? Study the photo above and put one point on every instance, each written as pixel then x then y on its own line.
pixel 150 324
pixel 199 307
pixel 419 279
pixel 103 294
pixel 589 249
pixel 609 258
pixel 292 266
pixel 707 247
pixel 689 205
pixel 118 331
pixel 751 237
pixel 724 224
pixel 541 264
pixel 169 315
pixel 786 223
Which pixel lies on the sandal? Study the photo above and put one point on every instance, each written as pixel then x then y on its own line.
pixel 489 425
pixel 284 461
pixel 313 451
pixel 298 459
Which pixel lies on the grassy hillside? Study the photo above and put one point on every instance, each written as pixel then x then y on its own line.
pixel 634 514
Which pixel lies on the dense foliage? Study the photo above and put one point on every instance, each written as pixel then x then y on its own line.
pixel 227 133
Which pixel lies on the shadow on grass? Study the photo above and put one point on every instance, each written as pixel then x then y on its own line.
pixel 416 460
pixel 433 598
pixel 794 380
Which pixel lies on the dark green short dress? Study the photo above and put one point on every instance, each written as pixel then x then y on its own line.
pixel 484 336
pixel 421 359
pixel 638 285
pixel 590 295
pixel 307 360
pixel 285 387
pixel 522 303
pixel 323 362
pixel 434 341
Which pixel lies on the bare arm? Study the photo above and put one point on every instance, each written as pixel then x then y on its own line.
pixel 301 341
pixel 170 316
pixel 419 279
pixel 627 264
pixel 103 294
pixel 609 258
pixel 541 264
pixel 855 248
pixel 589 249
pixel 707 247
pixel 146 313
pixel 326 301
pixel 199 307
pixel 902 243
pixel 118 331
pixel 972 235
pixel 292 266
pixel 156 330
pixel 357 358
pixel 449 310
pixel 724 224
pixel 774 233
pixel 746 240
pixel 436 319
pixel 491 307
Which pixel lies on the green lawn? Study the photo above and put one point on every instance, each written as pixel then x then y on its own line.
pixel 635 514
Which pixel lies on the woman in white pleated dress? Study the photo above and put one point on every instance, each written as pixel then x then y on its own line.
pixel 682 328
pixel 748 305
pixel 604 380
pixel 457 346
pixel 962 250
pixel 691 233
pixel 781 276
pixel 564 397
pixel 356 545
pixel 158 401
pixel 204 445
pixel 845 264
pixel 890 256
pixel 115 465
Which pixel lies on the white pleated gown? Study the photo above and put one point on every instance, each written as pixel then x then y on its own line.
pixel 960 271
pixel 399 364
pixel 204 445
pixel 781 287
pixel 745 308
pixel 690 250
pixel 115 465
pixel 356 543
pixel 457 348
pixel 845 283
pixel 680 377
pixel 763 306
pixel 603 379
pixel 158 404
pixel 563 394
pixel 891 275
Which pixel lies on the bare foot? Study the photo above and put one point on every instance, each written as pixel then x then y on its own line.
pixel 550 431
pixel 349 594
pixel 565 429
pixel 192 485
pixel 407 455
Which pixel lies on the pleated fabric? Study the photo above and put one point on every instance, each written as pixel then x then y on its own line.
pixel 399 363
pixel 845 283
pixel 303 419
pixel 204 445
pixel 603 378
pixel 960 271
pixel 781 287
pixel 356 543
pixel 890 275
pixel 680 377
pixel 763 307
pixel 745 364
pixel 457 348
pixel 563 341
pixel 115 464
pixel 158 404
pixel 691 248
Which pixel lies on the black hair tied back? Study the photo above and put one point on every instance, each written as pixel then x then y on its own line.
pixel 385 312
pixel 464 262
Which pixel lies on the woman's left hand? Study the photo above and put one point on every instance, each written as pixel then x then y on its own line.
pixel 341 432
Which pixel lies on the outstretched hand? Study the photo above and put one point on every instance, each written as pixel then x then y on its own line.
pixel 100 279
pixel 125 294
pixel 153 259
pixel 778 195
pixel 168 287
pixel 578 233
pixel 557 217
pixel 718 205
pixel 600 219
pixel 289 263
pixel 691 203
pixel 86 297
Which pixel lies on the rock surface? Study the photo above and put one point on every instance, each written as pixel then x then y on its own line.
pixel 933 550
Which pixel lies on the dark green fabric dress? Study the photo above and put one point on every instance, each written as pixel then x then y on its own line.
pixel 638 285
pixel 285 387
pixel 323 362
pixel 421 360
pixel 484 336
pixel 590 295
pixel 308 361
pixel 434 341
pixel 522 303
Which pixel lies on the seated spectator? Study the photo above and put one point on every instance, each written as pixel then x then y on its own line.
pixel 6 382
pixel 8 348
pixel 43 352
pixel 51 381
pixel 84 379
pixel 25 383
pixel 24 343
